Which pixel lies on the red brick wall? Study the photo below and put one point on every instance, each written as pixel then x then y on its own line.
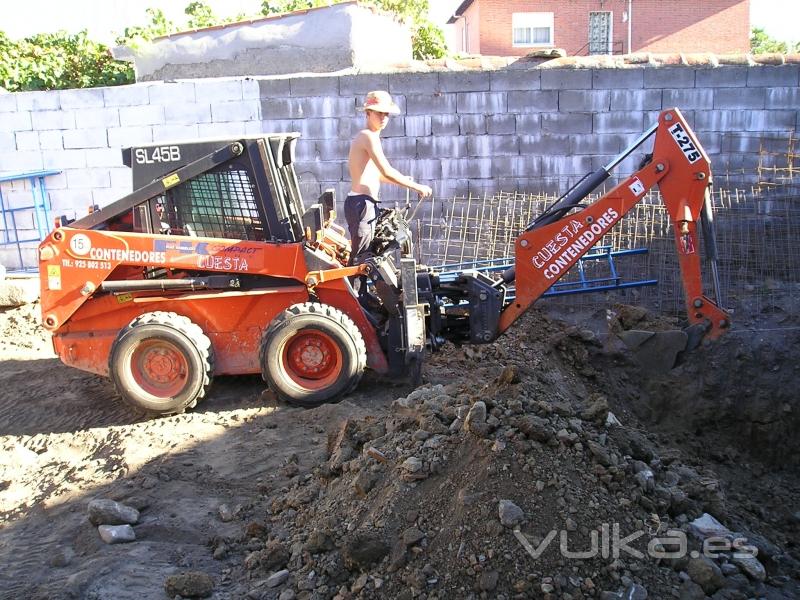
pixel 719 26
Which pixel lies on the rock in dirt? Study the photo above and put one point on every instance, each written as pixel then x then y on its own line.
pixel 705 573
pixel 412 535
pixel 510 513
pixel 278 578
pixel 190 584
pixel 116 534
pixel 476 417
pixel 535 428
pixel 750 566
pixel 107 512
pixel 488 581
pixel 362 551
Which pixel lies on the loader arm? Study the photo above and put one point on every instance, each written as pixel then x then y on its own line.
pixel 681 170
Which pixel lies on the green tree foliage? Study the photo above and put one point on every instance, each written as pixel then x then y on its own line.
pixel 57 61
pixel 159 25
pixel 762 43
pixel 200 15
pixel 427 39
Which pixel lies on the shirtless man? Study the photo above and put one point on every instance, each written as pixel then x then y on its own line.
pixel 368 167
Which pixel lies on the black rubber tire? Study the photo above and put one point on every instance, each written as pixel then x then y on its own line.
pixel 170 333
pixel 309 319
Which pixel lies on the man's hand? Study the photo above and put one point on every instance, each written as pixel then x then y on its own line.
pixel 424 191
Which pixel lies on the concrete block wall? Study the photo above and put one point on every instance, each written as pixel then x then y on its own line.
pixel 460 132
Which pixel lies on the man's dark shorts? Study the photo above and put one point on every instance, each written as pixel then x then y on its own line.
pixel 360 211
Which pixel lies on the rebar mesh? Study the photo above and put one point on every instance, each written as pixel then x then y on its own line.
pixel 757 232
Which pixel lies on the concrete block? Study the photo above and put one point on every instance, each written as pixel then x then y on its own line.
pixel 567 123
pixel 347 127
pixel 413 83
pixel 126 95
pixel 360 85
pixel 431 105
pixel 221 131
pixel 544 143
pixel 466 81
pixel 596 144
pixel 81 98
pixel 472 124
pixel 783 97
pixel 720 120
pixel 314 86
pixel 694 99
pixel 27 140
pixel 333 149
pixel 8 103
pixel 175 133
pixel 38 100
pixel 445 124
pixel 274 88
pixel 85 138
pixel 51 139
pixel 220 90
pixel 528 124
pixel 774 76
pixel 134 116
pixel 614 79
pixel 17 121
pixel 63 159
pixel 466 168
pixel 8 141
pixel 16 291
pixel 426 171
pixel 516 166
pixel 243 110
pixel 322 170
pixel 481 102
pixel 724 77
pixel 77 201
pixel 619 122
pixel 104 157
pixel 253 128
pixel 325 107
pixel 502 124
pixel 87 178
pixel 17 199
pixel 50 119
pixel 442 147
pixel 190 113
pixel 443 190
pixel 493 145
pixel 400 147
pixel 635 100
pixel 20 161
pixel 120 177
pixel 395 128
pixel 418 126
pixel 739 98
pixel 566 165
pixel 250 89
pixel 770 120
pixel 533 101
pixel 122 137
pixel 583 100
pixel 505 81
pixel 669 78
pixel 566 79
pixel 105 196
pixel 316 129
pixel 172 92
pixel 90 118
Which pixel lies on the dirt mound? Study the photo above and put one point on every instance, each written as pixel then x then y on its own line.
pixel 545 464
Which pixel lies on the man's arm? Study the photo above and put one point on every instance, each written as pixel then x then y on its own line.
pixel 373 147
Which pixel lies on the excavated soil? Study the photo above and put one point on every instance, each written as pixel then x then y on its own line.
pixel 513 472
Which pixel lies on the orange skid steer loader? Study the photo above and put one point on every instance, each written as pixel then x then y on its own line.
pixel 214 266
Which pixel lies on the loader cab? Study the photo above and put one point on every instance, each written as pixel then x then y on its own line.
pixel 240 188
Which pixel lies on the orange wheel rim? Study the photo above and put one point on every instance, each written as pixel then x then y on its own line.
pixel 312 359
pixel 160 368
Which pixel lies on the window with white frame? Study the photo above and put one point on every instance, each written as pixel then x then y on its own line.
pixel 532 29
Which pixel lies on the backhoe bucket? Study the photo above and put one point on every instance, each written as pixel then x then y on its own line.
pixel 656 352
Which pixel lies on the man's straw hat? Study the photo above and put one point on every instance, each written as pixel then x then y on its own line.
pixel 380 101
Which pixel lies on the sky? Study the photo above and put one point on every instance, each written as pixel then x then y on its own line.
pixel 104 19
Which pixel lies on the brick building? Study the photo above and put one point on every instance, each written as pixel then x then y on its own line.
pixel 582 27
